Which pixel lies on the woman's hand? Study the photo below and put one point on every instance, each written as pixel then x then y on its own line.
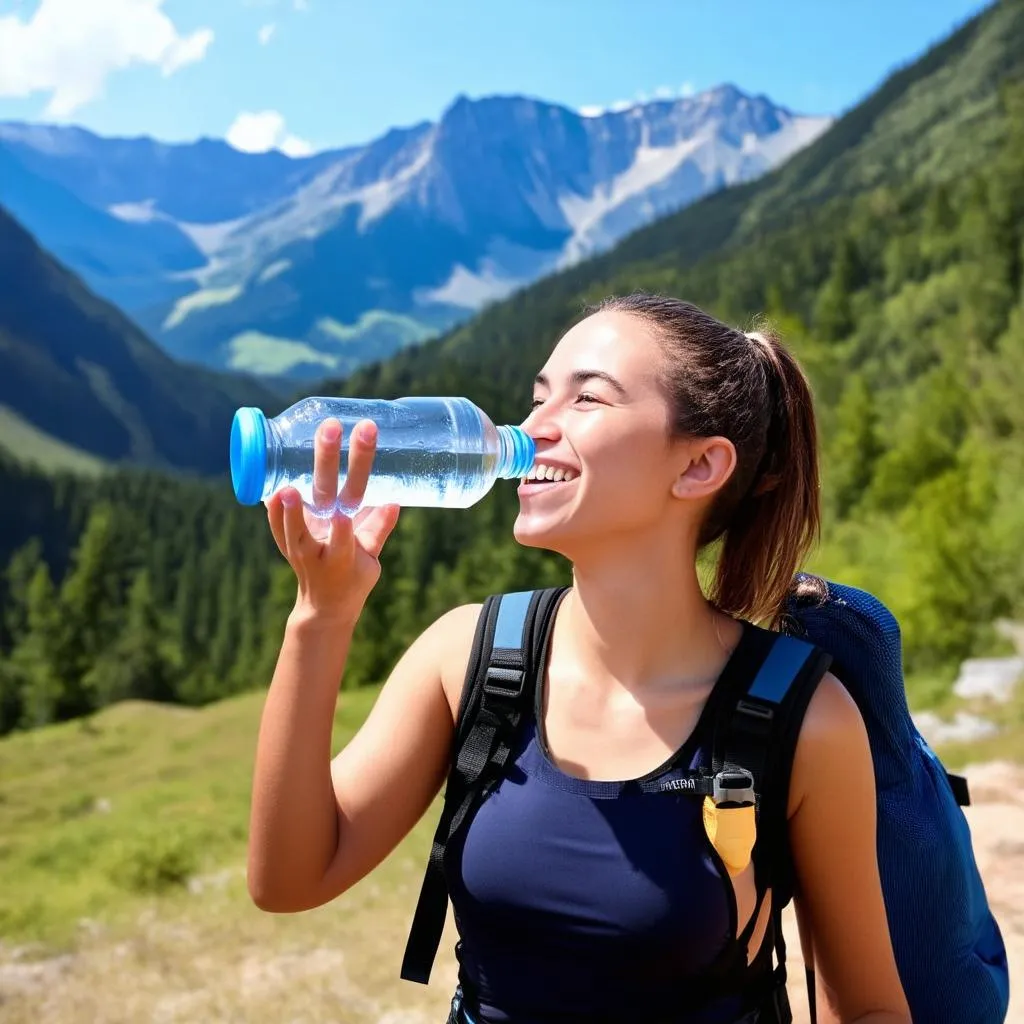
pixel 335 558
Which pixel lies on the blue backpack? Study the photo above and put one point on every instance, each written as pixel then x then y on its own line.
pixel 948 946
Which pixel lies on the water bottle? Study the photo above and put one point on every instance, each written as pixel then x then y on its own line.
pixel 438 452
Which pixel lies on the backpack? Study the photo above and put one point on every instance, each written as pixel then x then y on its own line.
pixel 947 944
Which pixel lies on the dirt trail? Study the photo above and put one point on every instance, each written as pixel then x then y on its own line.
pixel 222 961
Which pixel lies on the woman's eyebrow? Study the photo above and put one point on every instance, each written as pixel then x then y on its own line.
pixel 578 377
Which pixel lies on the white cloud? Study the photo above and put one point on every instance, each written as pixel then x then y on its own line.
pixel 663 92
pixel 301 5
pixel 68 48
pixel 266 33
pixel 263 131
pixel 292 145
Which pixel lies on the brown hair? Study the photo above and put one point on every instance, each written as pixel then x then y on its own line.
pixel 748 388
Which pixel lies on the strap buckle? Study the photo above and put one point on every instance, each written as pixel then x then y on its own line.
pixel 755 718
pixel 756 709
pixel 504 683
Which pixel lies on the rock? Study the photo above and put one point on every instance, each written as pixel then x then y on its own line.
pixel 989 677
pixel 964 728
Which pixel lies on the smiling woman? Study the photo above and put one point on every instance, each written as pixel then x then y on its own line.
pixel 581 891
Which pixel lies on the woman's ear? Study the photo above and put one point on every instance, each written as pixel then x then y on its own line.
pixel 710 463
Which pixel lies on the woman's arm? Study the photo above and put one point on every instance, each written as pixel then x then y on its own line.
pixel 832 826
pixel 317 827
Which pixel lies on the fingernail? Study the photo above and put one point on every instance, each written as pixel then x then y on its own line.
pixel 367 432
pixel 289 498
pixel 330 432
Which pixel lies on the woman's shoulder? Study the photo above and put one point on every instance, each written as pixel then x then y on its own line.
pixel 448 643
pixel 833 740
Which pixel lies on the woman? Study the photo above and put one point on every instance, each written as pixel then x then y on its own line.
pixel 670 430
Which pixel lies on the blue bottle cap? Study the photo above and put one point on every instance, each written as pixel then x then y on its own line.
pixel 522 452
pixel 249 455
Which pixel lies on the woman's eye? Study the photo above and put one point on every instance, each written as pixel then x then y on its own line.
pixel 586 396
pixel 536 402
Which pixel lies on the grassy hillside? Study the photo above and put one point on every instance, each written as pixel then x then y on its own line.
pixel 142 797
pixel 29 444
pixel 75 369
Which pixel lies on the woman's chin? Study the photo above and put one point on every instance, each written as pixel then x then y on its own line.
pixel 533 531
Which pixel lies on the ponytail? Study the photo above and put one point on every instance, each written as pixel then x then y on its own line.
pixel 778 520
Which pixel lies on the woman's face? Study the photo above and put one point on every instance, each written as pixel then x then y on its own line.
pixel 601 423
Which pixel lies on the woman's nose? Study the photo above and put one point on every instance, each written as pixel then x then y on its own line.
pixel 542 424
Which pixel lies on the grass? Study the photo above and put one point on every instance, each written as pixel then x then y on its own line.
pixel 254 352
pixel 199 300
pixel 30 444
pixel 132 801
pixel 407 330
pixel 122 850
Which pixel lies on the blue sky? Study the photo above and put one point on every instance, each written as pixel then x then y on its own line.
pixel 301 74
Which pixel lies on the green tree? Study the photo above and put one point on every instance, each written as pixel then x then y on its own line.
pixel 139 663
pixel 90 609
pixel 948 599
pixel 32 667
pixel 834 317
pixel 19 573
pixel 854 447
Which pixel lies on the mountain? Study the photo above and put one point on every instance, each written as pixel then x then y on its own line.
pixel 933 121
pixel 77 374
pixel 315 265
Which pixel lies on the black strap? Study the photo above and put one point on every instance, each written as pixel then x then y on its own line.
pixel 497 695
pixel 757 730
pixel 958 784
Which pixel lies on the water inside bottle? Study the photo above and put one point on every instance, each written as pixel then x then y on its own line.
pixel 410 475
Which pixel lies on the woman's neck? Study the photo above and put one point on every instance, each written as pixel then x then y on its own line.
pixel 637 616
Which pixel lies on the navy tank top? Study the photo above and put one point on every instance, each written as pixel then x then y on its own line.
pixel 579 900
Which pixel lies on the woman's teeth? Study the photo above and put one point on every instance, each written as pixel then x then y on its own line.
pixel 541 472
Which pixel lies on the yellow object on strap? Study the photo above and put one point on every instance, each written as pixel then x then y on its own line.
pixel 732 831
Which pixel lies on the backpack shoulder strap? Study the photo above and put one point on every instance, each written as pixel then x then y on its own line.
pixel 496 698
pixel 768 708
pixel 757 731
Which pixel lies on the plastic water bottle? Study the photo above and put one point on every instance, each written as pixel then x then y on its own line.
pixel 439 452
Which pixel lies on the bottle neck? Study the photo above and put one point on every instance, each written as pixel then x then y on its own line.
pixel 516 452
pixel 274 460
